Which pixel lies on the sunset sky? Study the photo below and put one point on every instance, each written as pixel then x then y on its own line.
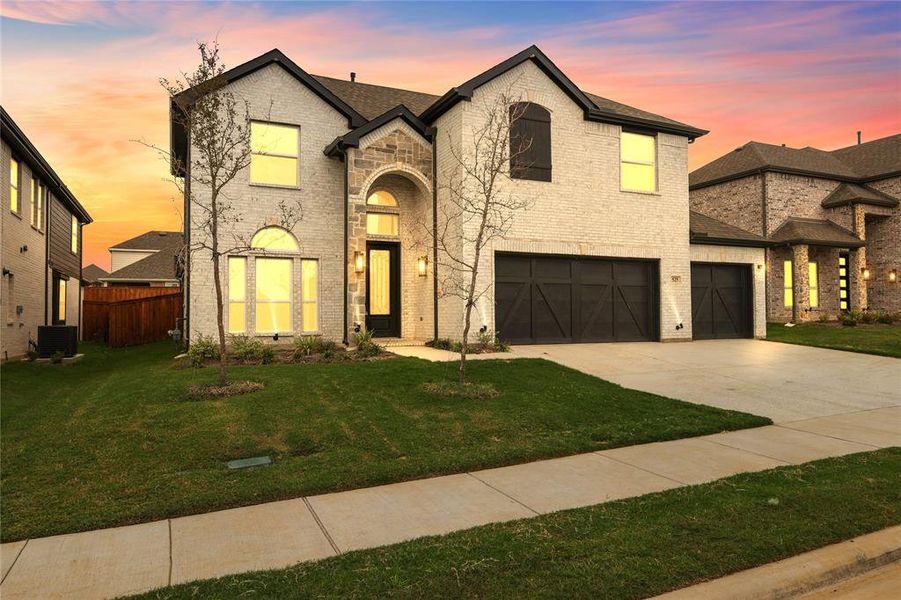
pixel 81 78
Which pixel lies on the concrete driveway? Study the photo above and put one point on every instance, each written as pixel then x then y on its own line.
pixel 784 382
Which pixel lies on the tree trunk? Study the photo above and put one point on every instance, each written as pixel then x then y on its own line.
pixel 466 320
pixel 220 321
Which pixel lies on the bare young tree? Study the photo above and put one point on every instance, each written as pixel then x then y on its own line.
pixel 479 205
pixel 217 125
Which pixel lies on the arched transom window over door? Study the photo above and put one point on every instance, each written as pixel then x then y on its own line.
pixel 384 220
pixel 275 239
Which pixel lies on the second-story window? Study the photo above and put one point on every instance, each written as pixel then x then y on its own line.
pixel 638 162
pixel 14 185
pixel 275 154
pixel 530 142
pixel 38 193
pixel 74 246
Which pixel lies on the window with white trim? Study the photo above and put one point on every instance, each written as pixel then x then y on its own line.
pixel 14 174
pixel 274 305
pixel 638 162
pixel 237 294
pixel 74 246
pixel 309 284
pixel 275 154
pixel 787 293
pixel 813 284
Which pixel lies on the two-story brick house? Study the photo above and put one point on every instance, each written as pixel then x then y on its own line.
pixel 605 253
pixel 42 243
pixel 832 217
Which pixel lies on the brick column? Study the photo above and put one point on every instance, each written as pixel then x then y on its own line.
pixel 800 288
pixel 858 261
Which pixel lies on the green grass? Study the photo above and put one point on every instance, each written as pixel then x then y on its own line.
pixel 110 440
pixel 632 548
pixel 883 340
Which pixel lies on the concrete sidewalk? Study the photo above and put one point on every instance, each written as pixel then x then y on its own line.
pixel 126 560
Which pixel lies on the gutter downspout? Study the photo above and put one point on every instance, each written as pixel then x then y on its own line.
pixel 186 231
pixel 47 253
pixel 346 239
pixel 435 231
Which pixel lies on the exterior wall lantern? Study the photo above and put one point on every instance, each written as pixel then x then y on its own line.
pixel 865 273
pixel 422 264
pixel 893 276
pixel 359 262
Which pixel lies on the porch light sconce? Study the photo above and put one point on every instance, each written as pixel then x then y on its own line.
pixel 893 276
pixel 422 264
pixel 865 273
pixel 359 262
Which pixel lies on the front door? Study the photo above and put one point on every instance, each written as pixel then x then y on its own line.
pixel 383 289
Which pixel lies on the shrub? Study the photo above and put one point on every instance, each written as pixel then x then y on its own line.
pixel 884 317
pixel 328 348
pixel 868 316
pixel 849 319
pixel 202 349
pixel 440 344
pixel 365 346
pixel 31 355
pixel 248 349
pixel 57 357
pixel 824 318
pixel 306 345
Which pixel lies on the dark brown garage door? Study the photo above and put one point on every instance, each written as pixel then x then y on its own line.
pixel 550 299
pixel 721 301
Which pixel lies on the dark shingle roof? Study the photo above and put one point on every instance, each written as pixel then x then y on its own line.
pixel 152 240
pixel 91 273
pixel 859 162
pixel 371 100
pixel 852 193
pixel 820 232
pixel 619 108
pixel 707 230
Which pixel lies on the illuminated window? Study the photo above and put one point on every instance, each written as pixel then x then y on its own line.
pixel 61 301
pixel 274 154
pixel 813 285
pixel 638 157
pixel 273 294
pixel 237 294
pixel 74 246
pixel 38 193
pixel 381 224
pixel 843 282
pixel 381 199
pixel 14 185
pixel 788 296
pixel 274 238
pixel 309 283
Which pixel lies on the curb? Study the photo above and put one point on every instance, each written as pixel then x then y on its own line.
pixel 804 573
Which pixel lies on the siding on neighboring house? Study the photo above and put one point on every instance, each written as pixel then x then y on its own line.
pixel 123 258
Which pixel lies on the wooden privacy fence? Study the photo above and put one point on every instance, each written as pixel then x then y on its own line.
pixel 130 316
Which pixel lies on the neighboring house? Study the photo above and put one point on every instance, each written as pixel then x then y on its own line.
pixel 42 241
pixel 148 260
pixel 833 217
pixel 603 254
pixel 91 274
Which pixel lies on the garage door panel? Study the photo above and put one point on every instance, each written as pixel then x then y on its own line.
pixel 575 299
pixel 721 301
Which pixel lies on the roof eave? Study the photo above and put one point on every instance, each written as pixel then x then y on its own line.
pixel 340 144
pixel 700 238
pixel 789 171
pixel 812 242
pixel 605 116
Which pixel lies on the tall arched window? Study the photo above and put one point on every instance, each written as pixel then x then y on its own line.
pixel 530 142
pixel 379 222
pixel 274 238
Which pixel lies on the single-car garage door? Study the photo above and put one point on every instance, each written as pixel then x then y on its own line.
pixel 550 299
pixel 721 301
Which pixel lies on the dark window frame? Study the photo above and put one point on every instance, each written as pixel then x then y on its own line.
pixel 530 121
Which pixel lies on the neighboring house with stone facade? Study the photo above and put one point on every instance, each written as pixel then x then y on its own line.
pixel 832 217
pixel 606 252
pixel 42 241
pixel 152 259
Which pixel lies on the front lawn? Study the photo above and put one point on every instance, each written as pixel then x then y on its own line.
pixel 884 340
pixel 111 440
pixel 634 548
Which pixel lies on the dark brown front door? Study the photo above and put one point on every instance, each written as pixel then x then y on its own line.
pixel 558 299
pixel 383 289
pixel 721 301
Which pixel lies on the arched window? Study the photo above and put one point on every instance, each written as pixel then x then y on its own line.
pixel 382 223
pixel 530 142
pixel 274 238
pixel 381 198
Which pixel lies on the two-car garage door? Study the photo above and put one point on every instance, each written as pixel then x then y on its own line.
pixel 552 299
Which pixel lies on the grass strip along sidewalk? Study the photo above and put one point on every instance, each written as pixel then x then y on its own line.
pixel 626 549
